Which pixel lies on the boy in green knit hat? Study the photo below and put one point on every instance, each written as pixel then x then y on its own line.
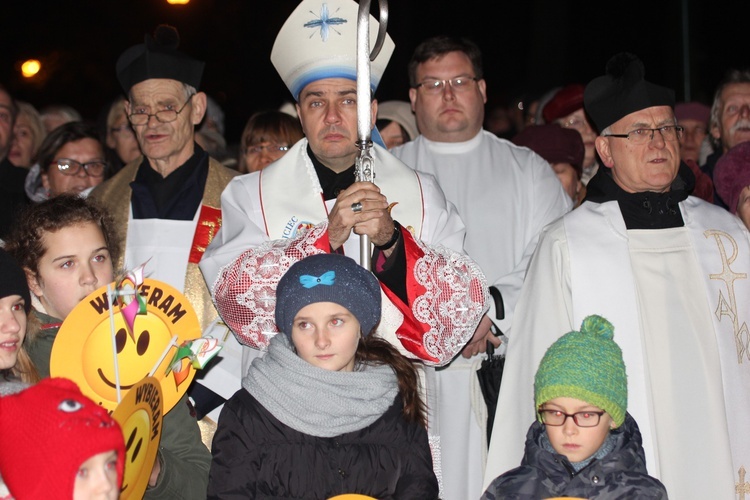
pixel 584 443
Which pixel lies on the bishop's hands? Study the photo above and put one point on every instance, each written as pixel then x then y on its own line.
pixel 363 209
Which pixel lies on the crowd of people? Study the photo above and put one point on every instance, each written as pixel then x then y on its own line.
pixel 361 312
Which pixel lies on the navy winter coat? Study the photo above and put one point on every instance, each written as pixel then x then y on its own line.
pixel 621 474
pixel 257 456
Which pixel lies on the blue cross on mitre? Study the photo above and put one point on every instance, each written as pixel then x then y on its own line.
pixel 324 22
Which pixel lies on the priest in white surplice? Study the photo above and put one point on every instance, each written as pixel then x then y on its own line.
pixel 505 195
pixel 307 202
pixel 671 273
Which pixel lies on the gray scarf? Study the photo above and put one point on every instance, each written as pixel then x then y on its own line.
pixel 315 401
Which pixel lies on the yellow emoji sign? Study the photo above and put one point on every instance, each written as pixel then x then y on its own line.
pixel 140 416
pixel 351 496
pixel 87 352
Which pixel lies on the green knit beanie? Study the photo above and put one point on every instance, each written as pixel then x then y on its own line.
pixel 585 365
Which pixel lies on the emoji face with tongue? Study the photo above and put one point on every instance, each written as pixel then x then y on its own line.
pixel 98 352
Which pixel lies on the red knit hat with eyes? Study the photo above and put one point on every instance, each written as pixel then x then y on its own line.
pixel 48 431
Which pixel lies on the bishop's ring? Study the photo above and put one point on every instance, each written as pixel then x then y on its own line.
pixel 356 207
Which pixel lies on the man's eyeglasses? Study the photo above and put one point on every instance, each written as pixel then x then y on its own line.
pixel 270 149
pixel 458 84
pixel 644 135
pixel 557 418
pixel 66 166
pixel 163 116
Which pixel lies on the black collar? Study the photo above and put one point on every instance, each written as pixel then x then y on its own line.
pixel 331 182
pixel 648 209
pixel 176 196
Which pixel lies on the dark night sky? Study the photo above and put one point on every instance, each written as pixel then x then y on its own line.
pixel 527 45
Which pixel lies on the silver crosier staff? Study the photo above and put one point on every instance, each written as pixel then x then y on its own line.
pixel 364 164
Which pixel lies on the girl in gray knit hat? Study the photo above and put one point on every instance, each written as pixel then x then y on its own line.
pixel 330 409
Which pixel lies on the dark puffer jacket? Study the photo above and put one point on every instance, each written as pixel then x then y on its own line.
pixel 257 456
pixel 621 474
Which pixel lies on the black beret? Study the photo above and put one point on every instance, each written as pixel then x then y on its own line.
pixel 621 91
pixel 158 57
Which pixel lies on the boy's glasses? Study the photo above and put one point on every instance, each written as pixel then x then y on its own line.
pixel 557 418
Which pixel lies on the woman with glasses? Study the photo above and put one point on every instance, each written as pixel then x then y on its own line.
pixel 266 138
pixel 71 160
pixel 584 444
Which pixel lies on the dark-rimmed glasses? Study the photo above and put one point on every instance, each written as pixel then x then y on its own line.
pixel 66 166
pixel 557 418
pixel 458 84
pixel 643 135
pixel 163 116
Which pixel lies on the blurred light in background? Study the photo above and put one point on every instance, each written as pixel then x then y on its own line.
pixel 30 68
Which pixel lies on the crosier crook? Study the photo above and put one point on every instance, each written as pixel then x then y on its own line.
pixel 364 164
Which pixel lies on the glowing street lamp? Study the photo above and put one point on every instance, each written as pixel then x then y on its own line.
pixel 177 2
pixel 30 68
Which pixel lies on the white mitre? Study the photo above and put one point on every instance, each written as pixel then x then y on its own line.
pixel 319 40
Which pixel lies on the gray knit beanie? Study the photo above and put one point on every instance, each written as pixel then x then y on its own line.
pixel 328 278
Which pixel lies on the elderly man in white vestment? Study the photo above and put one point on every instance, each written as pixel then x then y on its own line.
pixel 671 273
pixel 308 202
pixel 505 195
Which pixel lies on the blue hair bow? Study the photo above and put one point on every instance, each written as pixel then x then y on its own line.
pixel 311 281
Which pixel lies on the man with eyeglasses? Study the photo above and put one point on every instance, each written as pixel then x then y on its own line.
pixel 12 193
pixel 505 195
pixel 308 202
pixel 669 270
pixel 167 207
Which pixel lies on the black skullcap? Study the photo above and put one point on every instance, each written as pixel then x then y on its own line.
pixel 13 280
pixel 158 57
pixel 621 91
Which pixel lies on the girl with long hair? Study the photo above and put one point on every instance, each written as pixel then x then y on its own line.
pixel 330 409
